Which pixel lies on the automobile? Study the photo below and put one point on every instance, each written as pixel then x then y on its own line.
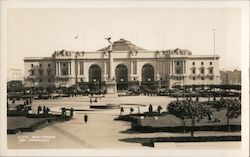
pixel 23 108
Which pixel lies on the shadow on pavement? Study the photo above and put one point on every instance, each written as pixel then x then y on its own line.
pixel 182 139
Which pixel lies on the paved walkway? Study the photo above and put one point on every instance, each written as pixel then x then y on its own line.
pixel 101 131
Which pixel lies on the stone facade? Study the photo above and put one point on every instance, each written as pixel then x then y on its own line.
pixel 231 77
pixel 15 75
pixel 130 63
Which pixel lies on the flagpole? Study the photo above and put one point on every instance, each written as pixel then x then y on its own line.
pixel 214 43
pixel 214 55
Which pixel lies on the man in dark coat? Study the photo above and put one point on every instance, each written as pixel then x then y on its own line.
pixel 44 110
pixel 150 108
pixel 85 118
pixel 39 109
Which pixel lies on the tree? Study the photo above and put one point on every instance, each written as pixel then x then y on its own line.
pixel 50 89
pixel 232 107
pixel 15 86
pixel 187 109
pixel 70 90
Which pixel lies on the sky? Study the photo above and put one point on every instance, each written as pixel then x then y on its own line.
pixel 40 32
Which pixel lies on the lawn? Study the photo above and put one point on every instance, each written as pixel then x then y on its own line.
pixel 170 120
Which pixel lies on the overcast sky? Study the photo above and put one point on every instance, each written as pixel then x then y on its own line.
pixel 39 32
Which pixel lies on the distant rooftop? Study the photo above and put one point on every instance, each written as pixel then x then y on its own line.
pixel 37 58
pixel 123 45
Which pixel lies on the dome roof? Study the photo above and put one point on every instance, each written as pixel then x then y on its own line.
pixel 123 45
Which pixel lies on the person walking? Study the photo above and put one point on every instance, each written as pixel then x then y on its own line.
pixel 159 109
pixel 150 108
pixel 71 112
pixel 39 109
pixel 131 110
pixel 122 110
pixel 44 110
pixel 85 118
pixel 63 111
pixel 197 98
pixel 47 110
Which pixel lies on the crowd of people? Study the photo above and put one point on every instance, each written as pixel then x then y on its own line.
pixel 44 110
pixel 150 109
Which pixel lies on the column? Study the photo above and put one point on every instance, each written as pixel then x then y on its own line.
pixel 78 68
pixel 59 68
pixel 105 67
pixel 131 67
pixel 158 69
pixel 183 62
pixel 82 66
pixel 72 67
pixel 56 69
pixel 111 73
pixel 170 67
pixel 184 67
pixel 135 67
pixel 68 68
pixel 173 67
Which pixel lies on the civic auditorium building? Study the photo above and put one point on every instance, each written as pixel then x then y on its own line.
pixel 126 63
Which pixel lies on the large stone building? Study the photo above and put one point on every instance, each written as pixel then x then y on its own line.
pixel 14 75
pixel 129 63
pixel 230 77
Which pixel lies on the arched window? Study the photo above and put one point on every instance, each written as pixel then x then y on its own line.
pixel 94 73
pixel 147 73
pixel 121 73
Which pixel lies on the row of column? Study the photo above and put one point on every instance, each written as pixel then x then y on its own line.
pixel 70 67
pixel 79 68
pixel 58 67
pixel 173 67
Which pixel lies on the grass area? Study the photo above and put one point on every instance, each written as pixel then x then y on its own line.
pixel 22 122
pixel 169 120
pixel 165 122
pixel 31 122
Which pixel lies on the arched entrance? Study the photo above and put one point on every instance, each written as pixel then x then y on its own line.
pixel 147 73
pixel 94 77
pixel 121 75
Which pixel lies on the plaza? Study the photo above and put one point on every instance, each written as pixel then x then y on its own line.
pixel 102 131
pixel 151 79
